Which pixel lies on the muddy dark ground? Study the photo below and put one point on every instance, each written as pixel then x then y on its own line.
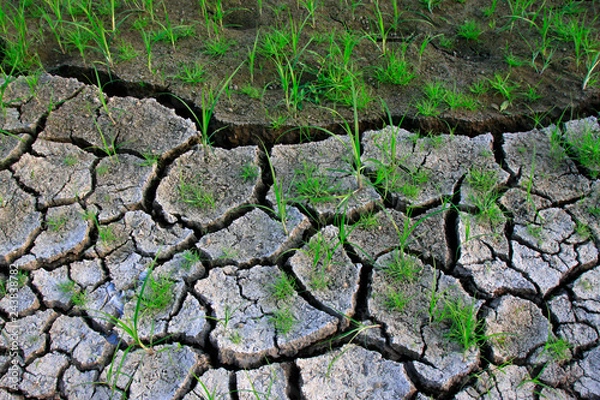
pixel 460 64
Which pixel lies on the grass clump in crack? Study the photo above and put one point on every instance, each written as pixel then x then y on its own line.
pixel 392 175
pixel 281 201
pixel 368 221
pixel 105 232
pixel 192 73
pixel 459 317
pixel 73 292
pixel 412 184
pixel 470 30
pixel 190 258
pixel 484 194
pixel 558 349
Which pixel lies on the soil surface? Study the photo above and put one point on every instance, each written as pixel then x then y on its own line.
pixel 308 252
pixel 527 50
pixel 145 264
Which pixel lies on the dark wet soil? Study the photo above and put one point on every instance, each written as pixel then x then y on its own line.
pixel 429 41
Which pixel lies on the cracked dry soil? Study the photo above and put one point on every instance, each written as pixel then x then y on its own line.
pixel 107 206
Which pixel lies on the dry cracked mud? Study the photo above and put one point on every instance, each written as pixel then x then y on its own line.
pixel 139 263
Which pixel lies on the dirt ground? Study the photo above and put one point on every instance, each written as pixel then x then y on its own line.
pixel 546 82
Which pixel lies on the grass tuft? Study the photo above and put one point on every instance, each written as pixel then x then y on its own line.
pixel 195 195
pixel 395 69
pixel 402 268
pixel 470 30
pixel 283 319
pixel 484 195
pixel 158 293
pixel 463 326
pixel 284 287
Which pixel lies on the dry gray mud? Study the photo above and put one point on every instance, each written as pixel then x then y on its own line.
pixel 139 264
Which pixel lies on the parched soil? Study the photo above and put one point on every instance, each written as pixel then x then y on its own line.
pixel 308 250
pixel 147 264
